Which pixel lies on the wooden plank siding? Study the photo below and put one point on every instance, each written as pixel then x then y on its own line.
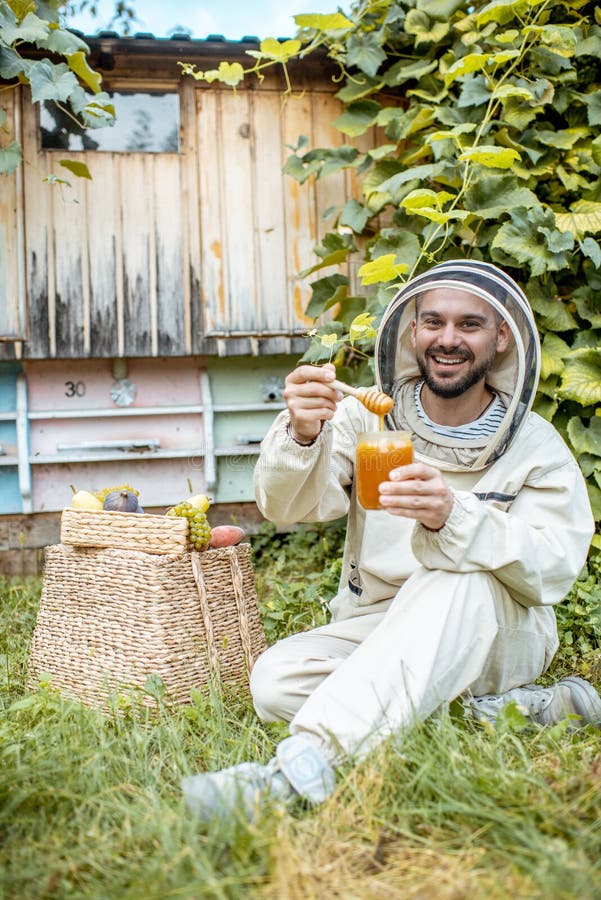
pixel 179 254
pixel 12 284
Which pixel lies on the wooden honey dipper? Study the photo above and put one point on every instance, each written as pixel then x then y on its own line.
pixel 372 399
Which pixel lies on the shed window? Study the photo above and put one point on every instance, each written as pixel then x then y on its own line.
pixel 145 123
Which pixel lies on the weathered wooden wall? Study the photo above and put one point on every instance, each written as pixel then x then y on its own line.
pixel 171 254
pixel 12 251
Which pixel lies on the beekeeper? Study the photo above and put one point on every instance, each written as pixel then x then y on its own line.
pixel 448 589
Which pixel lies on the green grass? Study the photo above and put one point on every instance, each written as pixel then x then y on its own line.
pixel 90 804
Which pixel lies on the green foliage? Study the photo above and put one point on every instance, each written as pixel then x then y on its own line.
pixel 297 575
pixel 31 22
pixel 579 625
pixel 489 146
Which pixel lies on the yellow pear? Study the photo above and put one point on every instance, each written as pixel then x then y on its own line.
pixel 85 500
pixel 200 502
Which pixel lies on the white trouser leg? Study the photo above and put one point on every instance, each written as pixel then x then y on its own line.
pixel 287 673
pixel 443 634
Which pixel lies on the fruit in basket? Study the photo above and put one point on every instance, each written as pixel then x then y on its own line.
pixel 200 530
pixel 122 501
pixel 85 500
pixel 200 502
pixel 226 536
pixel 103 493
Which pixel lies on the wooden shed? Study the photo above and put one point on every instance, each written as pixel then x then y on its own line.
pixel 148 316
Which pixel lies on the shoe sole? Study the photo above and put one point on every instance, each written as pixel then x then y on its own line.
pixel 585 698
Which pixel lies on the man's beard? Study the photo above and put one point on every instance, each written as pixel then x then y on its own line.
pixel 454 389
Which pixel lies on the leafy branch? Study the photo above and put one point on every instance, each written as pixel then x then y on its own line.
pixel 72 84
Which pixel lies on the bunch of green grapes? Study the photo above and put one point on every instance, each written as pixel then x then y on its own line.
pixel 200 530
pixel 104 492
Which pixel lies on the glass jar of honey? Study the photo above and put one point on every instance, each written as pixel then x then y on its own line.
pixel 378 453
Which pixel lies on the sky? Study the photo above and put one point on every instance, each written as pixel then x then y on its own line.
pixel 233 19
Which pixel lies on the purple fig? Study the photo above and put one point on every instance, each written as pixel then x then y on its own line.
pixel 122 501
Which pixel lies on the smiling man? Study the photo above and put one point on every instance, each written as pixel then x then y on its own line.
pixel 448 589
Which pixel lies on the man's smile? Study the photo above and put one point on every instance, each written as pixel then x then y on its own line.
pixel 447 360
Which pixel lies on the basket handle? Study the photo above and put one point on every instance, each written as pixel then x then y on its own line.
pixel 206 614
pixel 238 582
pixel 243 626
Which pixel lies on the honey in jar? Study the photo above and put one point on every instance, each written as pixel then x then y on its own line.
pixel 378 453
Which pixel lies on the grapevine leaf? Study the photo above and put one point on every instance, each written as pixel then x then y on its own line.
pixel 507 92
pixel 592 102
pixel 298 168
pixel 553 351
pixel 499 59
pixel 326 292
pixel 523 240
pixel 405 245
pixel 78 63
pixel 493 195
pixel 554 312
pixel 364 52
pixel 564 139
pixel 323 22
pixel 32 29
pixel 490 157
pixel 65 42
pixel 591 248
pixel 355 215
pixel 332 259
pixel 11 64
pixel 79 169
pixel 453 133
pixel 425 31
pixel 99 111
pixel 8 23
pixel 588 305
pixel 424 197
pixel 439 9
pixel 557 241
pixel 357 88
pixel 382 269
pixel 473 62
pixel 475 92
pixel 51 82
pixel 402 71
pixel 279 51
pixel 584 216
pixel 585 439
pixel 504 11
pixel 402 125
pixel 362 327
pixel 590 46
pixel 230 73
pixel 357 117
pixel 581 380
pixel 391 185
pixel 10 158
pixel 545 407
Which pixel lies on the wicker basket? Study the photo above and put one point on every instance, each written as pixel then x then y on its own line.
pixel 124 531
pixel 110 618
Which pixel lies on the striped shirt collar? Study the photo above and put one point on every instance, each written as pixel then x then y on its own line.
pixel 484 426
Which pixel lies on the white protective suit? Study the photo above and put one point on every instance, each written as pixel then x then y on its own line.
pixel 422 617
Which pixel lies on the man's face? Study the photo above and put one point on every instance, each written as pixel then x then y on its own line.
pixel 456 337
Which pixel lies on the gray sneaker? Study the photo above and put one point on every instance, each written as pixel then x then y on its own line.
pixel 571 696
pixel 299 768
